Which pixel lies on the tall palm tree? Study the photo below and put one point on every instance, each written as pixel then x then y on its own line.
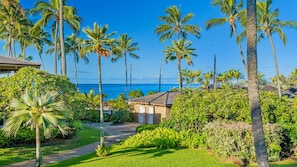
pixel 12 22
pixel 74 46
pixel 61 22
pixel 51 12
pixel 268 23
pixel 15 4
pixel 175 24
pixel 99 42
pixel 233 12
pixel 179 50
pixel 36 111
pixel 253 86
pixel 124 45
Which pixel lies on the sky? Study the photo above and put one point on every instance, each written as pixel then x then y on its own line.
pixel 139 19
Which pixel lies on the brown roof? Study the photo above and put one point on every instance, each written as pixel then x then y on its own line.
pixel 8 64
pixel 163 98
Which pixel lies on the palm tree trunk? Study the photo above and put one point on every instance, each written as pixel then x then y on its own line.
pixel 64 72
pixel 126 70
pixel 101 103
pixel 10 43
pixel 240 48
pixel 56 49
pixel 253 86
pixel 24 52
pixel 41 59
pixel 75 71
pixel 179 75
pixel 276 67
pixel 38 157
pixel 13 46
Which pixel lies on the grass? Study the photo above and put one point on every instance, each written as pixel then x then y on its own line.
pixel 17 154
pixel 141 157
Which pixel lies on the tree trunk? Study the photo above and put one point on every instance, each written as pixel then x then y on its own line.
pixel 64 72
pixel 41 59
pixel 75 71
pixel 56 49
pixel 253 86
pixel 126 70
pixel 101 103
pixel 38 155
pixel 240 49
pixel 276 67
pixel 179 75
pixel 10 43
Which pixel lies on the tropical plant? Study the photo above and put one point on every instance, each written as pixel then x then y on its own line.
pixel 135 94
pixel 13 3
pixel 99 42
pixel 253 86
pixel 268 23
pixel 180 50
pixel 191 76
pixel 50 11
pixel 61 23
pixel 74 46
pixel 233 12
pixel 175 24
pixel 124 45
pixel 13 23
pixel 36 111
pixel 120 103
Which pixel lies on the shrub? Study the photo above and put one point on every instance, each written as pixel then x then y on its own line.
pixel 102 151
pixel 146 127
pixel 236 140
pixel 164 138
pixel 121 116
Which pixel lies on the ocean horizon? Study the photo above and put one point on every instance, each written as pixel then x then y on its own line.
pixel 114 90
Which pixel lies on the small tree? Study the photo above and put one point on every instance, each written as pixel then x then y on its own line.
pixel 36 111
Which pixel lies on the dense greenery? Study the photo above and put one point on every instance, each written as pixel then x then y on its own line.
pixel 192 111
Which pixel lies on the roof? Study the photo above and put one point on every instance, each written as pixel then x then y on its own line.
pixel 8 64
pixel 163 98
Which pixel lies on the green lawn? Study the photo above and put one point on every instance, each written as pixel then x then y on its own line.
pixel 151 157
pixel 17 154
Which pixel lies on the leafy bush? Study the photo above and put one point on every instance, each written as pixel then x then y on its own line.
pixel 102 151
pixel 236 140
pixel 121 116
pixel 146 127
pixel 93 116
pixel 163 138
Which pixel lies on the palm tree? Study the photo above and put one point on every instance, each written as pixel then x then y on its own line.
pixel 237 75
pixel 35 111
pixel 124 45
pixel 51 11
pixel 179 50
pixel 12 22
pixel 74 46
pixel 175 24
pixel 253 86
pixel 268 23
pixel 15 4
pixel 233 13
pixel 99 42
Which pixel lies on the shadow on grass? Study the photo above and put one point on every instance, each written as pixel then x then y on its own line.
pixel 117 151
pixel 293 164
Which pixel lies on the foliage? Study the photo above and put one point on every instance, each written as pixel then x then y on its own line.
pixel 121 116
pixel 120 103
pixel 126 157
pixel 93 116
pixel 164 138
pixel 152 92
pixel 135 93
pixel 146 127
pixel 238 140
pixel 102 151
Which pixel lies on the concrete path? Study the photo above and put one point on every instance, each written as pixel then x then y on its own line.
pixel 116 133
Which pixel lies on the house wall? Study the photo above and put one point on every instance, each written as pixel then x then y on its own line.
pixel 159 113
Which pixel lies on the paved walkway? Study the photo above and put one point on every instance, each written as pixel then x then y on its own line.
pixel 116 133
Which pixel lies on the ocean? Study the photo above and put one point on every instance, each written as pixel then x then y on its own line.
pixel 113 90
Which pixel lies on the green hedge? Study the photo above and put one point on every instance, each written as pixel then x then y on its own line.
pixel 236 140
pixel 146 127
pixel 164 138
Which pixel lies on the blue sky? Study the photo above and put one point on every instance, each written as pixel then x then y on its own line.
pixel 139 19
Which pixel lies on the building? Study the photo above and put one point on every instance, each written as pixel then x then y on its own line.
pixel 9 64
pixel 151 109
